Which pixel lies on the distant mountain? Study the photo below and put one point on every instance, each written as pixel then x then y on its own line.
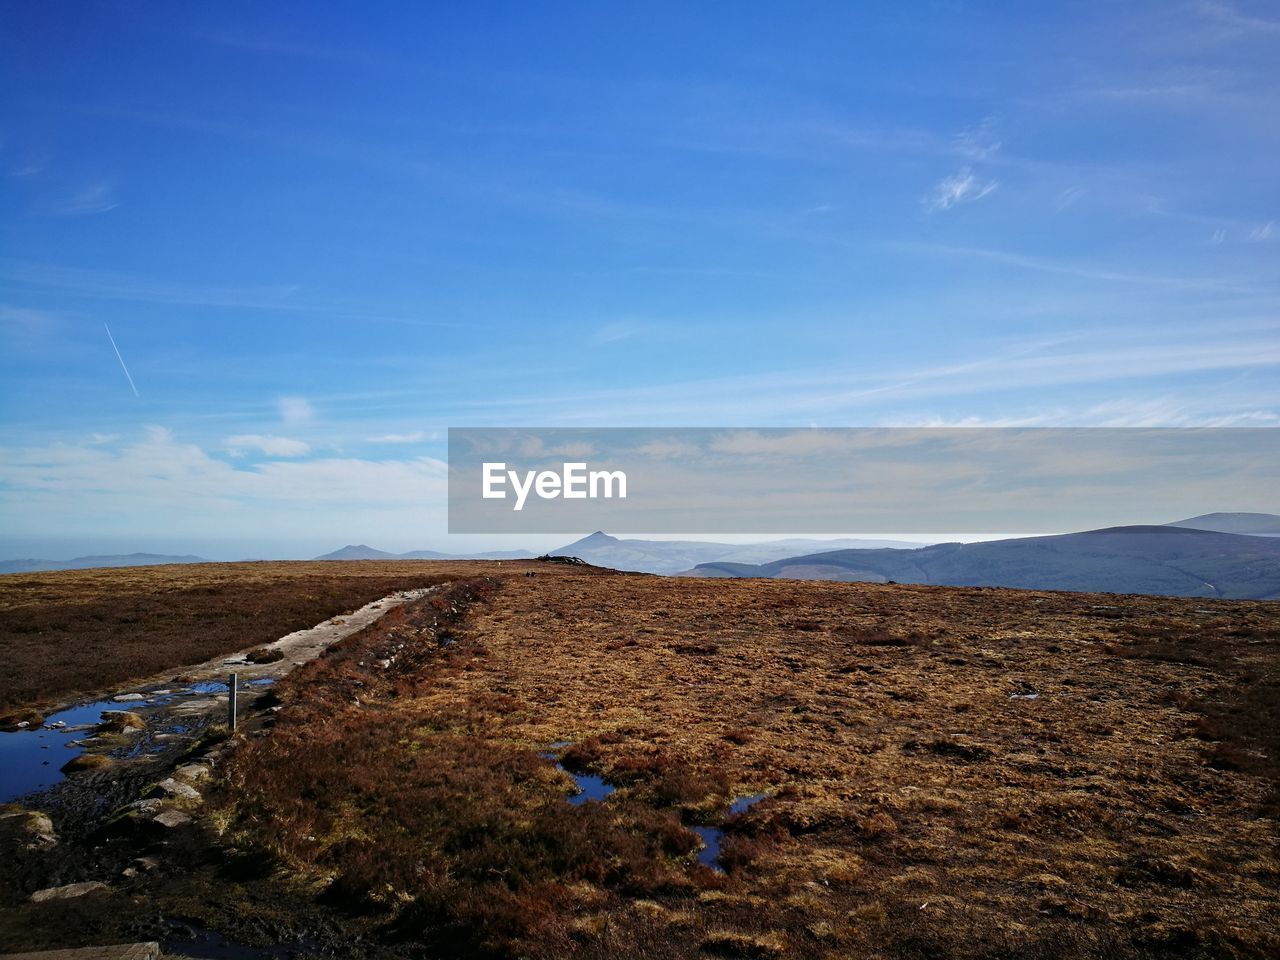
pixel 675 556
pixel 1161 560
pixel 1251 524
pixel 86 563
pixel 360 551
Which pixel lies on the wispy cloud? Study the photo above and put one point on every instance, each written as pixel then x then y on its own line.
pixel 130 288
pixel 1263 232
pixel 1232 20
pixel 94 198
pixel 295 410
pixel 978 142
pixel 25 318
pixel 417 436
pixel 1068 197
pixel 1066 268
pixel 614 332
pixel 271 446
pixel 961 187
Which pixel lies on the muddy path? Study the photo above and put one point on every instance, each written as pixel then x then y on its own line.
pixel 142 834
pixel 159 721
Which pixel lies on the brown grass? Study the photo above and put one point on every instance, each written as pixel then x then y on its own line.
pixel 71 632
pixel 915 808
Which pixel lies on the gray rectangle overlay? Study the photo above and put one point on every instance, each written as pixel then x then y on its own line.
pixel 853 480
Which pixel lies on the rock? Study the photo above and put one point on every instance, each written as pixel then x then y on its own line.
pixel 146 863
pixel 33 828
pixel 196 706
pixel 193 772
pixel 171 818
pixel 57 725
pixel 39 828
pixel 146 808
pixel 173 788
pixel 68 891
pixel 23 724
pixel 126 697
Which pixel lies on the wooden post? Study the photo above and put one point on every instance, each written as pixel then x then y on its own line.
pixel 231 703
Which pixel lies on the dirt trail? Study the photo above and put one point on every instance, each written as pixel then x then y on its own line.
pixel 295 649
pixel 170 714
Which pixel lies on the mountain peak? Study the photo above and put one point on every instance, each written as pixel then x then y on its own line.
pixel 358 551
pixel 597 539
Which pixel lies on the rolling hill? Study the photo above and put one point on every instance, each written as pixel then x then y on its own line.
pixel 85 563
pixel 1160 560
pixel 1252 524
pixel 675 556
pixel 360 551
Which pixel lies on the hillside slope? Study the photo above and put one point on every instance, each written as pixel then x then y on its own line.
pixel 1159 560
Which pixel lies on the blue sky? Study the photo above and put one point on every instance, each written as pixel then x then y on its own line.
pixel 321 234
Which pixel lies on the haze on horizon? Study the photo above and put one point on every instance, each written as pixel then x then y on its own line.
pixel 319 237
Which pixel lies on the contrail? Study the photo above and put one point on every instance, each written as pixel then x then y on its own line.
pixel 120 358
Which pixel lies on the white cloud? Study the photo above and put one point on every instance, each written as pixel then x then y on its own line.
pixel 93 198
pixel 1068 197
pixel 979 141
pixel 1219 237
pixel 1264 232
pixel 1233 21
pixel 961 187
pixel 155 483
pixel 238 445
pixel 416 437
pixel 613 332
pixel 295 410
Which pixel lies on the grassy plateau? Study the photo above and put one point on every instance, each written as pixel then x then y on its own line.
pixel 946 772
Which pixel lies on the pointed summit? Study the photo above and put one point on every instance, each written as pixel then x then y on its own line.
pixel 596 540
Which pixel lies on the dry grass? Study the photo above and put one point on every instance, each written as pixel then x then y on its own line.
pixel 922 802
pixel 77 631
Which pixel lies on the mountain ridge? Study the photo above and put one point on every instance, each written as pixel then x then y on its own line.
pixel 1160 560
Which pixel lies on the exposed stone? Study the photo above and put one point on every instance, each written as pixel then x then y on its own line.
pixel 30 828
pixel 146 808
pixel 118 951
pixel 174 788
pixel 68 891
pixel 193 772
pixel 171 818
pixel 126 697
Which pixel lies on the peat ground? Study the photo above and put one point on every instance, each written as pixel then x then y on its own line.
pixel 947 772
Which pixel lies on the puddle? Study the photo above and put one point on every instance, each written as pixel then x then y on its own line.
pixel 589 785
pixel 712 837
pixel 31 759
pixel 193 941
pixel 206 686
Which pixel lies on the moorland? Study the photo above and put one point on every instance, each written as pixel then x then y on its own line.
pixel 938 772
